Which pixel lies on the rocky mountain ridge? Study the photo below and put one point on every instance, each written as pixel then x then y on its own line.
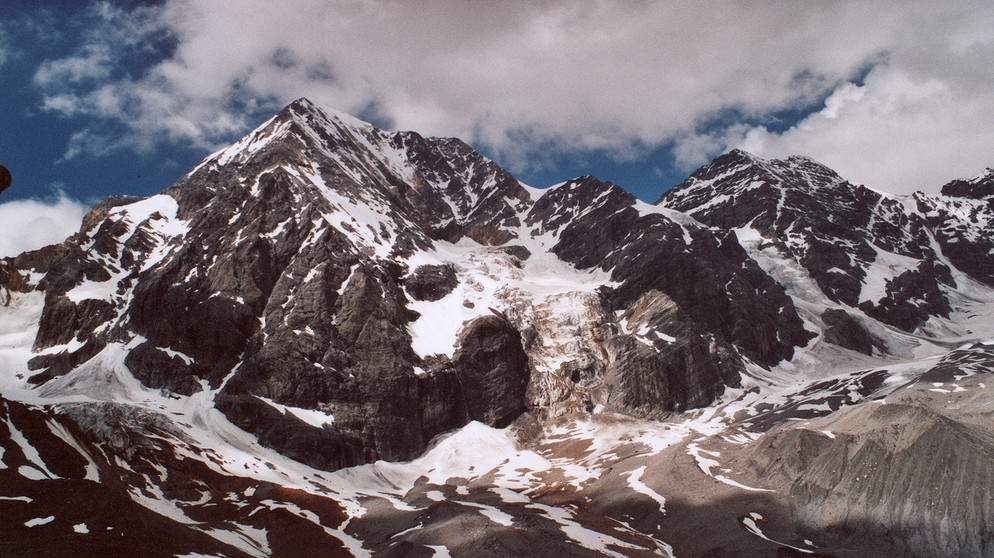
pixel 334 294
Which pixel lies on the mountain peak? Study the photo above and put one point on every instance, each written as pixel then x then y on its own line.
pixel 307 113
pixel 978 187
pixel 742 155
pixel 739 171
pixel 302 104
pixel 324 126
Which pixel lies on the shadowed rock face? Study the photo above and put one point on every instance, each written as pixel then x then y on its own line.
pixel 979 188
pixel 492 369
pixel 683 367
pixel 15 271
pixel 844 330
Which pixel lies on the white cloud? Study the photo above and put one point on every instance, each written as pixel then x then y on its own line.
pixel 32 224
pixel 528 76
pixel 93 62
pixel 844 95
pixel 899 132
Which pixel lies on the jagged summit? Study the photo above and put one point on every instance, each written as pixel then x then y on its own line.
pixel 862 247
pixel 738 172
pixel 301 118
pixel 978 187
pixel 441 185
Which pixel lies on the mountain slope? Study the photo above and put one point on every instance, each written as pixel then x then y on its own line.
pixel 864 249
pixel 960 220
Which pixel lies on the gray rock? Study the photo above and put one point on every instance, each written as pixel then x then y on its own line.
pixel 844 330
pixel 492 368
pixel 431 282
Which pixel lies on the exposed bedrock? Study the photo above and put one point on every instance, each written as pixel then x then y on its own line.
pixel 660 362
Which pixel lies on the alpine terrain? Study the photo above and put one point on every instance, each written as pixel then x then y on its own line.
pixel 332 340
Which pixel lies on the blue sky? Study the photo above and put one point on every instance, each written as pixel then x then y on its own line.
pixel 123 97
pixel 34 142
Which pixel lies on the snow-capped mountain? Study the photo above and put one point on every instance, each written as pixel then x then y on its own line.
pixel 864 249
pixel 327 339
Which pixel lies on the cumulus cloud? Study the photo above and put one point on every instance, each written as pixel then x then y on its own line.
pixel 921 134
pixel 914 123
pixel 32 224
pixel 526 77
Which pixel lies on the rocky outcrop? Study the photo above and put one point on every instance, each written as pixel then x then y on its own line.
pixel 845 330
pixel 161 369
pixel 19 274
pixel 482 201
pixel 661 362
pixel 431 282
pixel 492 369
pixel 980 187
pixel 913 297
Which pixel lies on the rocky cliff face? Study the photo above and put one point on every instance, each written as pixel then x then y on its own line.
pixel 277 265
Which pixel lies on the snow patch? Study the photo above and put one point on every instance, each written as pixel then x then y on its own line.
pixel 38 470
pixel 750 524
pixel 492 513
pixel 39 521
pixel 635 482
pixel 313 417
pixel 440 551
pixel 587 538
pixel 249 540
pixel 706 464
pixel 24 499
